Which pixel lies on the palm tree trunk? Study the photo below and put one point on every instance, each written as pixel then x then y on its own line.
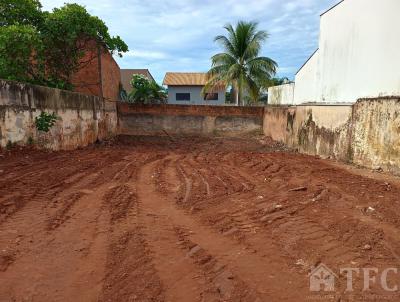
pixel 240 91
pixel 236 91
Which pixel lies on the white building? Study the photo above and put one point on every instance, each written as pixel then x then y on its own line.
pixel 358 54
pixel 185 88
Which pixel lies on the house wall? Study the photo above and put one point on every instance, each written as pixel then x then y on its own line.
pixel 98 77
pixel 195 94
pixel 306 81
pixel 189 120
pixel 111 76
pixel 87 79
pixel 82 119
pixel 358 54
pixel 281 95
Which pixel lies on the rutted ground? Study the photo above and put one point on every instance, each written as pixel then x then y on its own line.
pixel 151 219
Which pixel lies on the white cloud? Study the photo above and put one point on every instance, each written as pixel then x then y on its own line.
pixel 146 54
pixel 178 35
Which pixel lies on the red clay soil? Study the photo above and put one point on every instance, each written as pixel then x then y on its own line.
pixel 151 219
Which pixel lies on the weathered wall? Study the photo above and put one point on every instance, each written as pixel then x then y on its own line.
pixel 82 119
pixel 281 95
pixel 376 133
pixel 322 130
pixel 189 120
pixel 366 133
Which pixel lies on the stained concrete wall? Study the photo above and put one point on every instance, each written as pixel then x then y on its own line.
pixel 366 133
pixel 319 130
pixel 189 120
pixel 82 119
pixel 281 95
pixel 376 133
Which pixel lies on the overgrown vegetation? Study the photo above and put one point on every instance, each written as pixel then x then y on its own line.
pixel 145 91
pixel 47 48
pixel 45 121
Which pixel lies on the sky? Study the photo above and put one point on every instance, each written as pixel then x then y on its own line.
pixel 177 35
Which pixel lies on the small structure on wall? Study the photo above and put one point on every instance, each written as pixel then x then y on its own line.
pixel 185 88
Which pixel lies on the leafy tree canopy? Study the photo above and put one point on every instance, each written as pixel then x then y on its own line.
pixel 22 12
pixel 21 51
pixel 72 23
pixel 59 39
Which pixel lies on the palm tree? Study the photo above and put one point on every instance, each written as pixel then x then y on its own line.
pixel 240 65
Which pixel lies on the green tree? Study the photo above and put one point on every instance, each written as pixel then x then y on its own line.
pixel 145 91
pixel 21 54
pixel 48 47
pixel 20 12
pixel 68 32
pixel 240 65
pixel 279 81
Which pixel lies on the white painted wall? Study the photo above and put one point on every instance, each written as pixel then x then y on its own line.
pixel 359 54
pixel 281 95
pixel 196 98
pixel 307 81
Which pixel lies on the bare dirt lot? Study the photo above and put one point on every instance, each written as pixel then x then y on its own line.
pixel 151 219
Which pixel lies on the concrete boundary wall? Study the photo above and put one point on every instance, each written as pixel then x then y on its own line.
pixel 82 119
pixel 189 120
pixel 366 133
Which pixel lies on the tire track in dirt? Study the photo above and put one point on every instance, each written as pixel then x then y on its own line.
pixel 250 269
pixel 72 254
pixel 182 280
pixel 130 274
pixel 86 233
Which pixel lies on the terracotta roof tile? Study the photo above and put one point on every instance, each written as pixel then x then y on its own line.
pixel 185 78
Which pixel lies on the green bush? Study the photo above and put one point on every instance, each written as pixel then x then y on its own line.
pixel 45 121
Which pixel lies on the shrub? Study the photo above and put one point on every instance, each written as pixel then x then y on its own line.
pixel 45 121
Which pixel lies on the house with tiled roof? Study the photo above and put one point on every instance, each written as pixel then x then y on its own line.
pixel 185 88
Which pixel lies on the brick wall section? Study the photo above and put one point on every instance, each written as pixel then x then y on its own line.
pixel 98 77
pixel 191 110
pixel 87 79
pixel 111 76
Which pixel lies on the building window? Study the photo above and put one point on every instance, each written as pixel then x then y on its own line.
pixel 183 96
pixel 211 97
